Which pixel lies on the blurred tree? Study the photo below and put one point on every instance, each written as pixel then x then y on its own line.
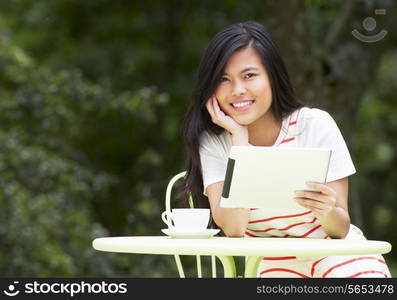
pixel 56 195
pixel 375 146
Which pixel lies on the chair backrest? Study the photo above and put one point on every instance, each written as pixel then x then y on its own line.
pixel 191 205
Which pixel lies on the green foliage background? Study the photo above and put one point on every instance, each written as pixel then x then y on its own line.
pixel 92 97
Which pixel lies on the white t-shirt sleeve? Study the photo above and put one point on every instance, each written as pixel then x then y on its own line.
pixel 326 134
pixel 214 152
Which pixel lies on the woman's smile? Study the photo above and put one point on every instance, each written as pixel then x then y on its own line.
pixel 242 105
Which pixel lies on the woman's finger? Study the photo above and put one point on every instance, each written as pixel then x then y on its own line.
pixel 316 196
pixel 318 208
pixel 210 109
pixel 218 112
pixel 319 212
pixel 309 203
pixel 216 104
pixel 215 110
pixel 323 188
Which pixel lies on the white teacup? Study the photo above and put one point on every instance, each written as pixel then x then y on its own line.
pixel 187 218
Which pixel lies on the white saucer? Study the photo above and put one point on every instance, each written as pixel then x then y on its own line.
pixel 190 234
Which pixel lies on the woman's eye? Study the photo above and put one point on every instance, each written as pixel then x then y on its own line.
pixel 224 79
pixel 249 75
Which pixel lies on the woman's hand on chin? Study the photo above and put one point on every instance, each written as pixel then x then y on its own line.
pixel 239 132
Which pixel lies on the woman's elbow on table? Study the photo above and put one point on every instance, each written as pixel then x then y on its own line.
pixel 234 233
pixel 232 226
pixel 232 230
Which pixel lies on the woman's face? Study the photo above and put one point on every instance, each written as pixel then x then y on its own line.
pixel 245 92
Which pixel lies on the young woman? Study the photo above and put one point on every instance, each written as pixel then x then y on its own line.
pixel 244 96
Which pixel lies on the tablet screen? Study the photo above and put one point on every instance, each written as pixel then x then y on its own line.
pixel 267 177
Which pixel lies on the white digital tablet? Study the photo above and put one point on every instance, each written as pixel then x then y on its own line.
pixel 267 177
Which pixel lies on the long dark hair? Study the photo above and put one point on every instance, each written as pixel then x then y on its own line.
pixel 197 120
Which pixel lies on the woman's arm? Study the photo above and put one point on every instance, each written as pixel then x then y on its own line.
pixel 233 221
pixel 329 205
